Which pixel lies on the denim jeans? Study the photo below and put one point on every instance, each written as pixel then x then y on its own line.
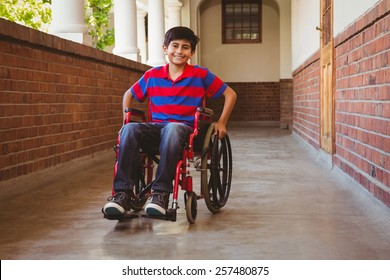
pixel 167 138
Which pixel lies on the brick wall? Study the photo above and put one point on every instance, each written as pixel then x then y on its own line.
pixel 257 101
pixel 59 100
pixel 286 103
pixel 363 101
pixel 306 101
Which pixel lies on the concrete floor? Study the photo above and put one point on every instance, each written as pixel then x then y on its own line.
pixel 286 203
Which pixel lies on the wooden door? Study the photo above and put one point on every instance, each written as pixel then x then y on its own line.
pixel 327 78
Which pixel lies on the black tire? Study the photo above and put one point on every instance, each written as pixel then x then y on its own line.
pixel 138 203
pixel 191 204
pixel 217 166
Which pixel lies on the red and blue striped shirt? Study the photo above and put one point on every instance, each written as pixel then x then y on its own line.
pixel 177 101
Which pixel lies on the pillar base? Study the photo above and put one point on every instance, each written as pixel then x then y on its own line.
pixel 129 53
pixel 132 56
pixel 156 62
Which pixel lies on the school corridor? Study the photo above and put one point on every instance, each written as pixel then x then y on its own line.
pixel 286 202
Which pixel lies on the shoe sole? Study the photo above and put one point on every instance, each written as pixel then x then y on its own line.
pixel 112 208
pixel 155 210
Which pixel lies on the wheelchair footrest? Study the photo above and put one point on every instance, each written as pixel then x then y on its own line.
pixel 124 216
pixel 169 216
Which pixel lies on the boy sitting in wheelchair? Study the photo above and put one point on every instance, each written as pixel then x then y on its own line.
pixel 174 91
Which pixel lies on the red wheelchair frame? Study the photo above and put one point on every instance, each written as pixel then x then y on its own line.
pixel 205 151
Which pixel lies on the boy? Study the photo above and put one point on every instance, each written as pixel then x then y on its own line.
pixel 175 91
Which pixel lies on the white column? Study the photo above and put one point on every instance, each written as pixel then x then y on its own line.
pixel 141 33
pixel 156 32
pixel 174 13
pixel 68 20
pixel 125 23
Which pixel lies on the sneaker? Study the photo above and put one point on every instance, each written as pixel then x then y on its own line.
pixel 159 204
pixel 117 205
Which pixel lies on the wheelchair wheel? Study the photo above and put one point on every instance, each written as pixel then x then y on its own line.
pixel 191 204
pixel 216 175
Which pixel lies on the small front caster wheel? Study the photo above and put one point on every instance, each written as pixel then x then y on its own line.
pixel 190 200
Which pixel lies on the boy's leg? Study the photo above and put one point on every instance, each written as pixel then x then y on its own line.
pixel 127 172
pixel 173 136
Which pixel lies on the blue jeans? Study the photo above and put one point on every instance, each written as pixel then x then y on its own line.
pixel 167 138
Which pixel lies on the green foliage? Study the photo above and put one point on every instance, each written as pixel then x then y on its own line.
pixel 33 13
pixel 37 14
pixel 97 18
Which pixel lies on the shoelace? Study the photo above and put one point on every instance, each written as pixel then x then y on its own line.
pixel 160 198
pixel 119 195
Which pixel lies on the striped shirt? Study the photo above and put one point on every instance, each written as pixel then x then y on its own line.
pixel 177 101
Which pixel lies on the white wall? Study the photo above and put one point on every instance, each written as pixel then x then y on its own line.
pixel 348 11
pixel 185 13
pixel 305 17
pixel 240 62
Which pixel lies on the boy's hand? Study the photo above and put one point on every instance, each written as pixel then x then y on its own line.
pixel 220 129
pixel 230 100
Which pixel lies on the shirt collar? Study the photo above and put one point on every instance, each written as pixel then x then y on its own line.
pixel 187 72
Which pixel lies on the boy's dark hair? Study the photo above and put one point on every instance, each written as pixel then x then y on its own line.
pixel 181 33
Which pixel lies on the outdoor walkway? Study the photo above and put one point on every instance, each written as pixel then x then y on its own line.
pixel 286 203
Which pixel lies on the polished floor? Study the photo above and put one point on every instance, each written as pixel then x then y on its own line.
pixel 286 202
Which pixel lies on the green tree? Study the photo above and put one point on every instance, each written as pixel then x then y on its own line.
pixel 33 13
pixel 97 18
pixel 37 14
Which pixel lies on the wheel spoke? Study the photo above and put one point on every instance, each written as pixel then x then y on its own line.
pixel 218 172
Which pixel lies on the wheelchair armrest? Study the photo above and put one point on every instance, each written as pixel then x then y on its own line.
pixel 205 111
pixel 134 112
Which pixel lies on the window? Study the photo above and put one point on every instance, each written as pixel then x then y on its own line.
pixel 241 21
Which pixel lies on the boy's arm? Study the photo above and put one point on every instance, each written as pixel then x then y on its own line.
pixel 230 99
pixel 127 102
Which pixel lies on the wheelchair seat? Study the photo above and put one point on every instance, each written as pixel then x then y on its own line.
pixel 208 154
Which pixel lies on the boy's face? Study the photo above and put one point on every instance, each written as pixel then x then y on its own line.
pixel 178 52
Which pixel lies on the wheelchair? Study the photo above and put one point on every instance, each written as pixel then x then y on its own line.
pixel 204 152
